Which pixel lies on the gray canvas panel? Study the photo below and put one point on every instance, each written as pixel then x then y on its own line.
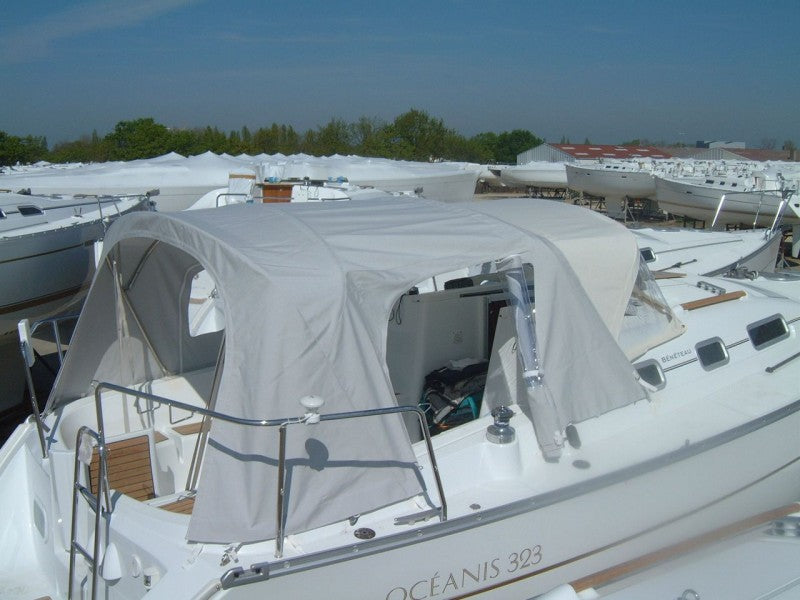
pixel 306 291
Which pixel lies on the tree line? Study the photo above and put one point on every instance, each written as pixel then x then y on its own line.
pixel 413 135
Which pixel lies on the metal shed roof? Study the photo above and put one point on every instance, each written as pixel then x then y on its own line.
pixel 568 152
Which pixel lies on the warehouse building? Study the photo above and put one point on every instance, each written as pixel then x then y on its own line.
pixel 572 152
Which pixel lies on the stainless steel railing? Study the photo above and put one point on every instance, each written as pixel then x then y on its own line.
pixel 282 424
pixel 26 332
pixel 781 195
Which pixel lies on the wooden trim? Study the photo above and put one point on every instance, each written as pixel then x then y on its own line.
pixel 667 275
pixel 617 572
pixel 703 302
pixel 276 192
pixel 190 429
pixel 183 506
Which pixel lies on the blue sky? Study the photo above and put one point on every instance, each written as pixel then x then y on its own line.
pixel 609 71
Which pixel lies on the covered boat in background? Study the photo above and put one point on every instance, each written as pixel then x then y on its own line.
pixel 182 181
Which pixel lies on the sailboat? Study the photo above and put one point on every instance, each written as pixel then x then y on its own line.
pixel 551 414
pixel 46 252
pixel 755 198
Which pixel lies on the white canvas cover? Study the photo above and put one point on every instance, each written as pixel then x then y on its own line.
pixel 307 290
pixel 602 253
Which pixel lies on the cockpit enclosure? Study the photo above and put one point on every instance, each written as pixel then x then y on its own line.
pixel 143 332
pixel 460 349
pixel 649 321
pixel 305 293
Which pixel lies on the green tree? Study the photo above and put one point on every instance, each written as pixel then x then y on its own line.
pixel 234 144
pixel 25 150
pixel 247 140
pixel 512 143
pixel 415 135
pixel 333 138
pixel 485 146
pixel 459 147
pixel 212 139
pixel 140 138
pixel 86 149
pixel 186 141
pixel 370 137
pixel 275 139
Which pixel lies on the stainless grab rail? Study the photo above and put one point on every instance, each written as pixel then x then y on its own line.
pixel 28 356
pixel 782 194
pixel 282 424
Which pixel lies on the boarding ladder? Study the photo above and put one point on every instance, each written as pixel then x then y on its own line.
pixel 99 503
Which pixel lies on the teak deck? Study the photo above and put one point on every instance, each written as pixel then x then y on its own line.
pixel 183 506
pixel 129 466
pixel 130 470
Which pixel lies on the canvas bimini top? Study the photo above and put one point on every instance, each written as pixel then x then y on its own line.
pixel 306 292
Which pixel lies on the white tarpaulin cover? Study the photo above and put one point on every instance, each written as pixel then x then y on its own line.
pixel 307 290
pixel 183 180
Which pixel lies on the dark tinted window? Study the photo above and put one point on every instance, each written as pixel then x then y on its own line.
pixel 767 331
pixel 29 210
pixel 712 354
pixel 647 254
pixel 650 371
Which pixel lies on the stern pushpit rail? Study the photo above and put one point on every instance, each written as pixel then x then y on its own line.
pixel 311 406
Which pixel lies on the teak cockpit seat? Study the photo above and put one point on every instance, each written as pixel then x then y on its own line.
pixel 183 506
pixel 130 467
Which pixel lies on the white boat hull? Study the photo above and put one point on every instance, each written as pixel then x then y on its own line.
pixel 609 183
pixel 518 550
pixel 553 540
pixel 46 267
pixel 701 202
pixel 45 274
pixel 537 174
